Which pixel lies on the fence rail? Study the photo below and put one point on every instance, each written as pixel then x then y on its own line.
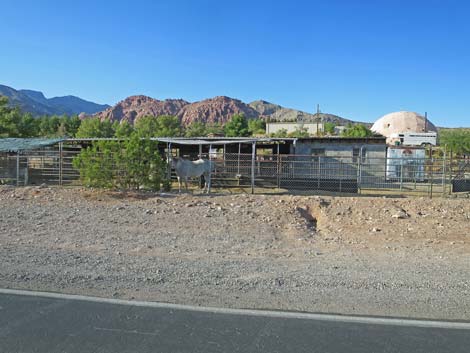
pixel 291 172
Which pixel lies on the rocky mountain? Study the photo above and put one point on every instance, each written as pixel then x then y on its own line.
pixel 24 102
pixel 215 110
pixel 135 107
pixel 37 104
pixel 219 109
pixel 276 112
pixel 265 108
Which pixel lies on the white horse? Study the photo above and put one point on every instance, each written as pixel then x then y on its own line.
pixel 185 168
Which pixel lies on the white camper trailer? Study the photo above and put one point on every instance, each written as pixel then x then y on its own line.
pixel 413 139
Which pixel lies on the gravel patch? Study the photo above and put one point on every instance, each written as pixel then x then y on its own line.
pixel 405 257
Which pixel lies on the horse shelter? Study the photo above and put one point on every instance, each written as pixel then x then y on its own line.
pixel 332 164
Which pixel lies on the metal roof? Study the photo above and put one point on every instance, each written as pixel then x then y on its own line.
pixel 22 144
pixel 215 141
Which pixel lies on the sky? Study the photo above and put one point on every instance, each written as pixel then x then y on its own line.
pixel 359 59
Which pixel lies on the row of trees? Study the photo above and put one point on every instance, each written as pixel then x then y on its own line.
pixel 14 123
pixel 456 140
pixel 356 130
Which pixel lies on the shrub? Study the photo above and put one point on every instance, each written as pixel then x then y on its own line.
pixel 131 164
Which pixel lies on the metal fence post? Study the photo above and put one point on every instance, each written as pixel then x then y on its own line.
pixel 253 152
pixel 238 160
pixel 168 159
pixel 359 171
pixel 444 183
pixel 279 168
pixel 18 168
pixel 432 175
pixel 401 174
pixel 340 175
pixel 60 162
pixel 450 172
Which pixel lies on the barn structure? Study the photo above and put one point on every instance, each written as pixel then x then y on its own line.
pixel 338 164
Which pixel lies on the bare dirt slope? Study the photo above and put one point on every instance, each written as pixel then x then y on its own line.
pixel 353 255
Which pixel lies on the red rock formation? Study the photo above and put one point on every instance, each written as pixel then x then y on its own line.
pixel 218 109
pixel 135 107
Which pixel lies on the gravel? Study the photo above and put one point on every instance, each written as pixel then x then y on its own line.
pixel 348 255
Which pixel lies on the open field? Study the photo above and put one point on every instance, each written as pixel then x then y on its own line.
pixel 353 255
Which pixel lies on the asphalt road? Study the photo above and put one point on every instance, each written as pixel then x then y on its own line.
pixel 66 324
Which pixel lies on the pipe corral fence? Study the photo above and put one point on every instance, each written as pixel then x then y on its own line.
pixel 345 166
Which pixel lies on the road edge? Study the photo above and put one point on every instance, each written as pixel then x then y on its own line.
pixel 248 312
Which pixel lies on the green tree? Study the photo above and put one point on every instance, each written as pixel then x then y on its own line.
pixel 131 164
pixel 72 124
pixel 28 126
pixel 169 126
pixel 195 129
pixel 214 129
pixel 237 126
pixel 456 140
pixel 257 126
pixel 329 128
pixel 357 130
pixel 49 125
pixel 279 133
pixel 300 132
pixel 123 129
pixel 162 126
pixel 14 123
pixel 97 164
pixel 10 119
pixel 94 127
pixel 142 164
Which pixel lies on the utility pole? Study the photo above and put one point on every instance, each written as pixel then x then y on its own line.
pixel 425 121
pixel 318 116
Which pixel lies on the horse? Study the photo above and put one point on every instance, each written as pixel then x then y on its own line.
pixel 185 168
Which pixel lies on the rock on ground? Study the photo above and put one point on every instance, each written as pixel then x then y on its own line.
pixel 404 257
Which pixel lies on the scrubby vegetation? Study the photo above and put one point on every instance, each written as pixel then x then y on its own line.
pixel 133 163
pixel 357 130
pixel 455 140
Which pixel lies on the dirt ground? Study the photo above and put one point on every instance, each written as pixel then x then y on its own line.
pixel 404 257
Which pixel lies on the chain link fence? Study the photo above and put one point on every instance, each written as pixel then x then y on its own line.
pixel 338 174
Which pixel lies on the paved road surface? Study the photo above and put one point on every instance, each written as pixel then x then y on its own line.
pixel 32 323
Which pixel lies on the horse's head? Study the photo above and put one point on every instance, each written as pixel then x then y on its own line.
pixel 173 161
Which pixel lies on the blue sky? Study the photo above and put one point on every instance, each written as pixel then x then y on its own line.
pixel 357 59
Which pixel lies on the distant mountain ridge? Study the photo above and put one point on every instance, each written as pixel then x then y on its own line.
pixel 218 109
pixel 276 112
pixel 34 102
pixel 135 107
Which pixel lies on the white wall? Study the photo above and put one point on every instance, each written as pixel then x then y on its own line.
pixel 273 127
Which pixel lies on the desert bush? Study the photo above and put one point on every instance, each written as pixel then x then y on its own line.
pixel 134 163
